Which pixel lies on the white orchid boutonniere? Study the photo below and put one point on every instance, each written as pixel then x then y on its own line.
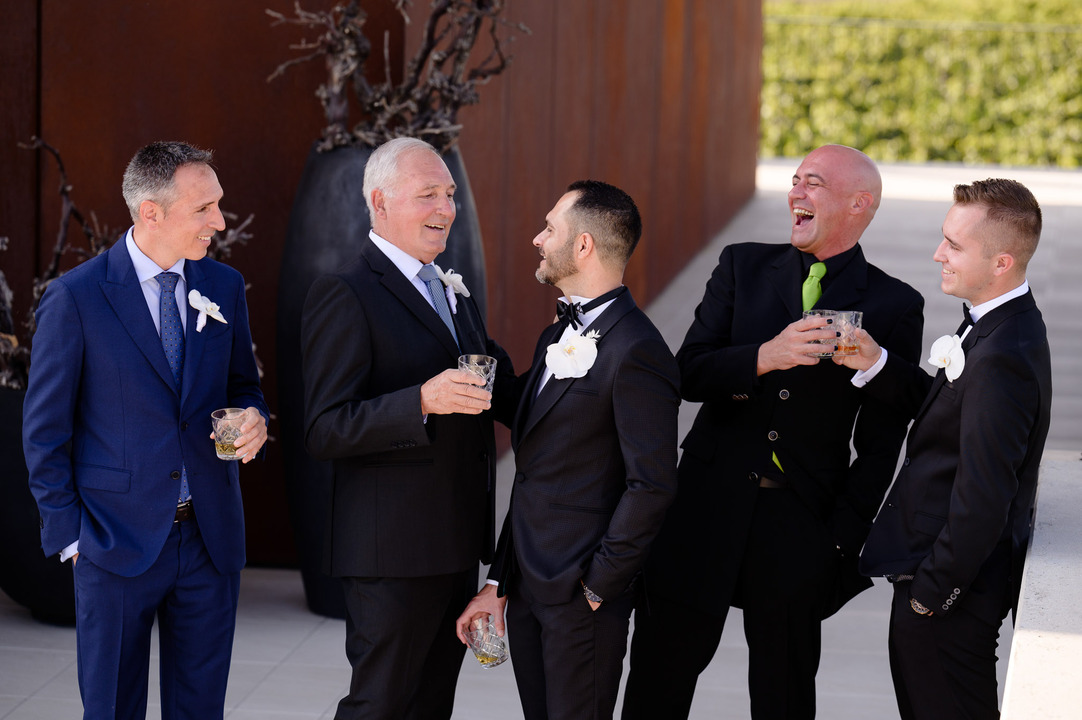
pixel 573 356
pixel 206 308
pixel 452 283
pixel 947 353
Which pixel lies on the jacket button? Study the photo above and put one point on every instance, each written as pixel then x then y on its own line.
pixel 957 590
pixel 41 521
pixel 520 477
pixel 772 435
pixel 184 426
pixel 753 476
pixel 906 462
pixel 784 394
pixel 175 475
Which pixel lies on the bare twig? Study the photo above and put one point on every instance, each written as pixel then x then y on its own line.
pixel 221 246
pixel 437 81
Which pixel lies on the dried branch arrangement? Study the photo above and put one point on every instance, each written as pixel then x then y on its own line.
pixel 437 82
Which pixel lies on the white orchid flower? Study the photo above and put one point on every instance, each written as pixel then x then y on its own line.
pixel 947 353
pixel 573 356
pixel 452 284
pixel 206 308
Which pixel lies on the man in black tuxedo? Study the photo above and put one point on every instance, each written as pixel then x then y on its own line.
pixel 772 509
pixel 953 532
pixel 413 451
pixel 595 467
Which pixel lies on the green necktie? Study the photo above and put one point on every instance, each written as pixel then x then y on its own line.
pixel 812 289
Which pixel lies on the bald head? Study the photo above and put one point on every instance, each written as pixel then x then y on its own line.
pixel 855 170
pixel 836 191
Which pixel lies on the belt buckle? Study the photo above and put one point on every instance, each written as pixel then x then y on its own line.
pixel 184 512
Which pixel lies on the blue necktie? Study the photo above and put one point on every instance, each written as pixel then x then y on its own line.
pixel 431 279
pixel 173 343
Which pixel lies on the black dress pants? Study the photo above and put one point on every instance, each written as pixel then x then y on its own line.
pixel 401 644
pixel 943 666
pixel 567 658
pixel 786 578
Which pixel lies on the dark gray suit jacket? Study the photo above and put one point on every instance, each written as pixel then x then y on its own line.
pixel 410 498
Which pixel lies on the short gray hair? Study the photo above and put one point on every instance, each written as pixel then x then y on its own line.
pixel 381 171
pixel 151 174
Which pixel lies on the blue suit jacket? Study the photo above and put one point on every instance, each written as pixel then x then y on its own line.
pixel 105 430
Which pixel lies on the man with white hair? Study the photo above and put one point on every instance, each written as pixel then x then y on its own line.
pixel 409 436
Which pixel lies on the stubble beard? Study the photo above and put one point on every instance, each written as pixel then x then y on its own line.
pixel 559 266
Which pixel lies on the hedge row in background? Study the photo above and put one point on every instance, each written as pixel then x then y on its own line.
pixel 924 80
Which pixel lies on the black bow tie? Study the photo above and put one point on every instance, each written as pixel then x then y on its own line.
pixel 967 321
pixel 570 313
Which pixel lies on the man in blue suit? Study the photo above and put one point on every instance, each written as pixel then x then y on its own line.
pixel 115 430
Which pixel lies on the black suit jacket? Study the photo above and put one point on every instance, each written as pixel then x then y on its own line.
pixel 595 464
pixel 959 514
pixel 807 415
pixel 410 498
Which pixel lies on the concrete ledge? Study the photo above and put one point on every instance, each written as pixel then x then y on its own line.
pixel 1045 667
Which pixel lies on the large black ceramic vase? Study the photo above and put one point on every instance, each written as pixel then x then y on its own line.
pixel 328 221
pixel 42 584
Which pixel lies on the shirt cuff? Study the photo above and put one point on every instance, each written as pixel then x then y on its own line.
pixel 69 552
pixel 492 582
pixel 863 377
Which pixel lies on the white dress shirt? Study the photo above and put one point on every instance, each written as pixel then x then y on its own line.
pixel 863 377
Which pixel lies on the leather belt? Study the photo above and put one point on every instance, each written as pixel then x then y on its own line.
pixel 773 483
pixel 185 511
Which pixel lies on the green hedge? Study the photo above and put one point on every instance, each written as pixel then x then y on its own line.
pixel 918 81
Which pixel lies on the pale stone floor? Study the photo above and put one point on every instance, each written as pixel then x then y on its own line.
pixel 288 664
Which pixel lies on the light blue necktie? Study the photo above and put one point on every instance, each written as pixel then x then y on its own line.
pixel 172 331
pixel 431 279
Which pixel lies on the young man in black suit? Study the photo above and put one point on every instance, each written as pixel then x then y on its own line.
pixel 413 453
pixel 595 460
pixel 953 532
pixel 772 508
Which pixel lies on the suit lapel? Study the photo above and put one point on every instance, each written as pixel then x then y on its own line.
pixel 787 279
pixel 122 291
pixel 470 329
pixel 194 341
pixel 981 329
pixel 846 289
pixel 406 293
pixel 554 389
pixel 537 368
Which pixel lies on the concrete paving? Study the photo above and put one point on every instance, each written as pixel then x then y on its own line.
pixel 289 664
